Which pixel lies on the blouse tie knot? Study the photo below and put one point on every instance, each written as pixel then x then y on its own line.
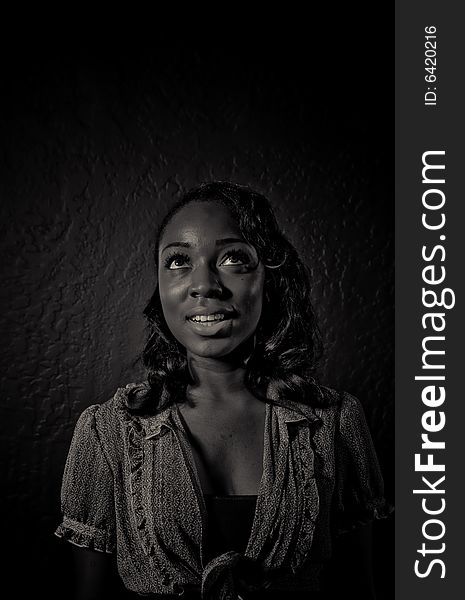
pixel 226 576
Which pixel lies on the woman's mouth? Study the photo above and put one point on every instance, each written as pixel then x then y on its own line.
pixel 211 323
pixel 208 320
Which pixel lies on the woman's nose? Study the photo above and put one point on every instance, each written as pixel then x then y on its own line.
pixel 205 282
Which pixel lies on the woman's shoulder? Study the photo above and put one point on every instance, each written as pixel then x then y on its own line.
pixel 330 400
pixel 344 413
pixel 110 416
pixel 327 406
pixel 340 400
pixel 333 405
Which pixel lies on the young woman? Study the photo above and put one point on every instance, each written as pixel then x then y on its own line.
pixel 230 473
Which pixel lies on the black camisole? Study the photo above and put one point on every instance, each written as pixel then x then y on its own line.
pixel 230 521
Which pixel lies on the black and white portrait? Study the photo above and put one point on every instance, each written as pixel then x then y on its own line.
pixel 198 305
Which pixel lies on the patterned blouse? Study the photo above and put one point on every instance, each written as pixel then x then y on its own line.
pixel 130 486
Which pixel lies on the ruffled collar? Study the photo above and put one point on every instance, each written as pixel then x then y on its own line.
pixel 288 411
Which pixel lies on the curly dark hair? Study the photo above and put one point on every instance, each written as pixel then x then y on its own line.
pixel 287 340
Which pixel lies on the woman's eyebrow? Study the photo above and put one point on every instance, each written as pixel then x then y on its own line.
pixel 230 240
pixel 177 244
pixel 221 242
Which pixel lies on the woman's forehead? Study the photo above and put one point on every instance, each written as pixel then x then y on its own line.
pixel 200 222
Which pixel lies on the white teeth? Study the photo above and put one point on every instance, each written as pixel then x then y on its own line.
pixel 207 319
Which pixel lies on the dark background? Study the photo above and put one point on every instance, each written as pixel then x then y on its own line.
pixel 97 141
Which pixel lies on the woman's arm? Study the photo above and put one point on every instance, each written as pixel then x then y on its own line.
pixel 96 576
pixel 352 569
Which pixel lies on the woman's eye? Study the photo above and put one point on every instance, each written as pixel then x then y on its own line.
pixel 177 261
pixel 234 258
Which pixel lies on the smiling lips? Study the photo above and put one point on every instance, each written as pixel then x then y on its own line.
pixel 210 320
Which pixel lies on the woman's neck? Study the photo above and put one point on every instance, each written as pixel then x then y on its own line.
pixel 216 381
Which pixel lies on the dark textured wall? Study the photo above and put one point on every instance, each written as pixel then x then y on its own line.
pixel 95 147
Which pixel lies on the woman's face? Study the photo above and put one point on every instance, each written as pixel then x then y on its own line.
pixel 210 280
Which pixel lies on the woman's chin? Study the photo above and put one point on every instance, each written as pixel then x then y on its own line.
pixel 223 349
pixel 212 348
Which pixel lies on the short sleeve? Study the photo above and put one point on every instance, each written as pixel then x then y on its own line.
pixel 87 497
pixel 359 483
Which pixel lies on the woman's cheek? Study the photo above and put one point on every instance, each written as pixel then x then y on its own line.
pixel 175 290
pixel 253 301
pixel 255 289
pixel 171 299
